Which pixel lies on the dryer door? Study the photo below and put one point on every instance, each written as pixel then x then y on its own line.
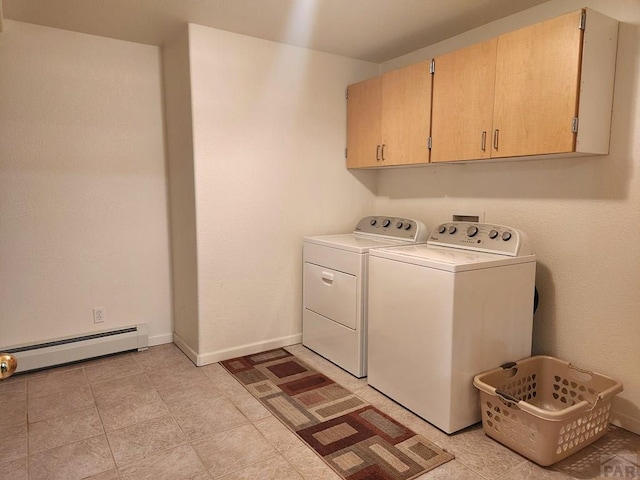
pixel 331 293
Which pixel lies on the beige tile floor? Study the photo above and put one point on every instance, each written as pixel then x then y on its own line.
pixel 154 415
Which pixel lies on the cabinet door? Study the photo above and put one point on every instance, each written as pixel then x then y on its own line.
pixel 363 124
pixel 462 112
pixel 406 114
pixel 536 88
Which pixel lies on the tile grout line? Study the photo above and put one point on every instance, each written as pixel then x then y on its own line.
pixel 104 430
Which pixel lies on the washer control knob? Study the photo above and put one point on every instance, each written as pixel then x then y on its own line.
pixel 399 225
pixel 472 231
pixel 373 221
pixel 407 226
pixel 442 229
pixel 506 236
pixel 452 229
pixel 386 222
pixel 493 234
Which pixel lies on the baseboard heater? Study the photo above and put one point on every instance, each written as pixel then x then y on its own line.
pixel 73 349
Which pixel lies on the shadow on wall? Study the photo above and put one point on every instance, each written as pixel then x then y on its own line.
pixel 596 177
pixel 544 320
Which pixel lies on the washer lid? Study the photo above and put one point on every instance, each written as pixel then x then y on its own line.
pixel 448 259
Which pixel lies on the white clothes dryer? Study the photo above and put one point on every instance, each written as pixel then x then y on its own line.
pixel 334 318
pixel 444 311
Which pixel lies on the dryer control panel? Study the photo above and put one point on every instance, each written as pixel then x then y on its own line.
pixel 396 228
pixel 481 237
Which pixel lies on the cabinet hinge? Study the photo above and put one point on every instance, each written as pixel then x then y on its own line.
pixel 429 143
pixel 346 93
pixel 574 125
pixel 432 67
pixel 345 153
pixel 583 21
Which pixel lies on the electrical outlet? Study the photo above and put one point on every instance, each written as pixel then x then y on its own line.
pixel 98 314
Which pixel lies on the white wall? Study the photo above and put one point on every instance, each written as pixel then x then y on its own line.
pixel 184 261
pixel 582 215
pixel 269 137
pixel 83 204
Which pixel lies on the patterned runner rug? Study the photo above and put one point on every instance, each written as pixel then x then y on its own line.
pixel 358 441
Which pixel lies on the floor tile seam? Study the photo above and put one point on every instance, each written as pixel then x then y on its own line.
pixel 176 385
pixel 139 423
pixel 113 457
pixel 450 448
pixel 129 373
pixel 277 454
pixel 4 428
pixel 126 396
pixel 118 468
pixel 483 475
pixel 202 462
pixel 46 419
pixel 56 390
pixel 67 444
pixel 217 432
pixel 19 457
pixel 155 452
pixel 211 434
pixel 30 448
pixel 95 384
pixel 525 461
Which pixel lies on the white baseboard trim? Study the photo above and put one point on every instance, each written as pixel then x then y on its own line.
pixel 625 421
pixel 186 349
pixel 160 339
pixel 220 355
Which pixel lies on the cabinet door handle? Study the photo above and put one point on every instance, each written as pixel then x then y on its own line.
pixel 383 145
pixel 496 135
pixel 483 142
pixel 327 278
pixel 377 153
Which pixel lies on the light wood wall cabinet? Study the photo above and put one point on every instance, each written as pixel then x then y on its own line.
pixel 542 90
pixel 463 103
pixel 389 118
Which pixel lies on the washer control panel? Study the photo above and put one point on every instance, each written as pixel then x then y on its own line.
pixel 481 237
pixel 392 227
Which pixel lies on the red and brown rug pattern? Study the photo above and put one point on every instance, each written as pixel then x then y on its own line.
pixel 358 441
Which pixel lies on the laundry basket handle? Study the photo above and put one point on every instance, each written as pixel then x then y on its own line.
pixel 513 402
pixel 586 375
pixel 507 397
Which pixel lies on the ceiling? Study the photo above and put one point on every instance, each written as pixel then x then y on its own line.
pixel 372 30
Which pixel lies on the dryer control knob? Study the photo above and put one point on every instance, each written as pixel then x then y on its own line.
pixel 386 222
pixel 442 229
pixel 493 234
pixel 373 221
pixel 407 226
pixel 472 231
pixel 506 236
pixel 452 229
pixel 399 225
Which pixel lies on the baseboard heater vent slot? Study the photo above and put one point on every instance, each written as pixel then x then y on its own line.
pixel 82 347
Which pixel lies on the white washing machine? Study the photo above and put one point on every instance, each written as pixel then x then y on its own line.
pixel 444 311
pixel 334 318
